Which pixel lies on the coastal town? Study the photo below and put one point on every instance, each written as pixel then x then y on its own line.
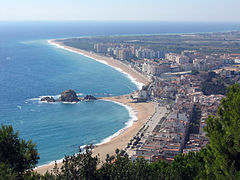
pixel 120 90
pixel 185 87
pixel 181 107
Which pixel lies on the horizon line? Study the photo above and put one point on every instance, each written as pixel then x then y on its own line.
pixel 137 20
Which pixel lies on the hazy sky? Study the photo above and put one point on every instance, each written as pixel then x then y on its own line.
pixel 162 10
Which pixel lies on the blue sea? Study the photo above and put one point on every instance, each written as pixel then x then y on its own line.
pixel 30 68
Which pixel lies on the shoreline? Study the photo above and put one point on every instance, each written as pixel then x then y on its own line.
pixel 132 119
pixel 141 111
pixel 136 77
pixel 144 112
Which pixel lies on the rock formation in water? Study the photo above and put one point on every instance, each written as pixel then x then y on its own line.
pixel 68 96
pixel 48 99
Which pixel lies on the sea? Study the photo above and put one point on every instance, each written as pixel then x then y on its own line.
pixel 30 68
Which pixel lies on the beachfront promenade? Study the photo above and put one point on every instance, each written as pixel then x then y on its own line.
pixel 157 118
pixel 160 112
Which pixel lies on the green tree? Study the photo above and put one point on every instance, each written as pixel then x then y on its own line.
pixel 6 172
pixel 223 152
pixel 16 154
pixel 187 166
pixel 159 170
pixel 141 169
pixel 80 166
pixel 123 168
pixel 116 167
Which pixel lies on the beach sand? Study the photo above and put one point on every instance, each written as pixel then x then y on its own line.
pixel 144 112
pixel 110 61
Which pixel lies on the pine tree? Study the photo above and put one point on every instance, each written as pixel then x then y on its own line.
pixel 16 154
pixel 223 152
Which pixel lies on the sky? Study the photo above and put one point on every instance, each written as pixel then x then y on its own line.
pixel 159 10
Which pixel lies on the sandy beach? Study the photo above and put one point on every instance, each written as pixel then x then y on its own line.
pixel 143 110
pixel 138 77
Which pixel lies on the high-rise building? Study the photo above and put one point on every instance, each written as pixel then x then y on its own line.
pixel 160 54
pixel 100 48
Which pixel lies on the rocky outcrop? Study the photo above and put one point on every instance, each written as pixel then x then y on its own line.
pixel 68 96
pixel 48 99
pixel 89 97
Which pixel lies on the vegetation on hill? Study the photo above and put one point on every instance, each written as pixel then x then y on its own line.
pixel 219 160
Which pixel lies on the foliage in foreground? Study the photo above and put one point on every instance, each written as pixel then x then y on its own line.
pixel 222 158
pixel 219 160
pixel 183 167
pixel 16 155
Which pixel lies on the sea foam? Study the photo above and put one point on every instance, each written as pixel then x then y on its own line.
pixel 132 118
